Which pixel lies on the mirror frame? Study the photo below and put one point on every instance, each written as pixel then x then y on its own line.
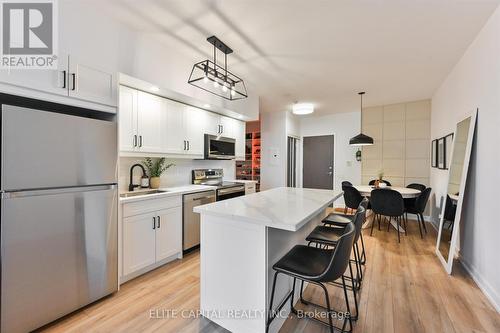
pixel 448 265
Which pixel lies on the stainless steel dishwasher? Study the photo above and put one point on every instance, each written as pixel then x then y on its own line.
pixel 191 220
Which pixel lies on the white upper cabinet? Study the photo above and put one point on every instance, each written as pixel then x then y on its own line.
pixel 87 60
pixel 212 124
pixel 51 81
pixel 174 141
pixel 91 83
pixel 194 123
pixel 156 125
pixel 150 110
pixel 128 119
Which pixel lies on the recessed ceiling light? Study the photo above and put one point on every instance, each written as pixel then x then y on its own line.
pixel 206 106
pixel 154 88
pixel 302 108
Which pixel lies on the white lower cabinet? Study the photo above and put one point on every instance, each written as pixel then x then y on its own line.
pixel 151 236
pixel 168 231
pixel 138 242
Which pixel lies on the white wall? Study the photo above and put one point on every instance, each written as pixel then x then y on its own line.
pixel 475 83
pixel 178 175
pixel 344 126
pixel 273 149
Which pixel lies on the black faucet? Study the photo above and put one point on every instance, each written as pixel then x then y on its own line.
pixel 131 186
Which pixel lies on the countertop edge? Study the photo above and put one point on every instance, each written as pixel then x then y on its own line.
pixel 172 191
pixel 269 224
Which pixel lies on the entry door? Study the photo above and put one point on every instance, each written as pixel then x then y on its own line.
pixel 318 162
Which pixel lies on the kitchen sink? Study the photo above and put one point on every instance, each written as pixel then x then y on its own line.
pixel 141 192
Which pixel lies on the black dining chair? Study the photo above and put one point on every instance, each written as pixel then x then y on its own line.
pixel 317 266
pixel 389 203
pixel 411 201
pixel 372 182
pixel 352 197
pixel 346 183
pixel 418 208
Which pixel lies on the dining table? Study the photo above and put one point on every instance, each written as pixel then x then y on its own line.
pixel 406 193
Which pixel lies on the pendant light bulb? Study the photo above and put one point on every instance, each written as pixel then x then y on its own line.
pixel 224 88
pixel 233 92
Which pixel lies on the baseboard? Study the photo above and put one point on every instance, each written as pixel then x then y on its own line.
pixel 485 287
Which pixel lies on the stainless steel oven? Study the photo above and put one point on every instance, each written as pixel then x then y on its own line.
pixel 219 148
pixel 230 192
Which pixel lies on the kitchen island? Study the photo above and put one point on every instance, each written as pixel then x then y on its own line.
pixel 241 238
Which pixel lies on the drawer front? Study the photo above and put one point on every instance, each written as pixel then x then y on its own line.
pixel 150 205
pixel 249 188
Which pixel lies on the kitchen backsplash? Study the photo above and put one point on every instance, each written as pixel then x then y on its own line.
pixel 178 175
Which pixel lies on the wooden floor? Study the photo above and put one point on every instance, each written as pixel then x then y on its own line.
pixel 405 289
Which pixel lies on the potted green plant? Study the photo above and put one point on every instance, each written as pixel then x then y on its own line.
pixel 154 169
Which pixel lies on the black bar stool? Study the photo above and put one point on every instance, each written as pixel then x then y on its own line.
pixel 328 236
pixel 340 220
pixel 316 266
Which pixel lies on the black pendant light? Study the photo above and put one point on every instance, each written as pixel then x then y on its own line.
pixel 361 139
pixel 218 80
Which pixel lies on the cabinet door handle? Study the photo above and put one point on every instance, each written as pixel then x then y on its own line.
pixel 159 222
pixel 64 79
pixel 135 140
pixel 140 140
pixel 188 145
pixel 184 145
pixel 154 222
pixel 73 80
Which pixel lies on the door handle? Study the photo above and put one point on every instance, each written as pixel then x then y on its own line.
pixel 159 222
pixel 188 145
pixel 64 79
pixel 140 140
pixel 135 140
pixel 154 222
pixel 73 80
pixel 184 144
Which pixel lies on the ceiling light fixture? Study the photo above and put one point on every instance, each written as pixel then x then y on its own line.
pixel 207 70
pixel 361 139
pixel 302 108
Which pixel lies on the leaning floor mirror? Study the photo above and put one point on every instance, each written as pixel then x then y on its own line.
pixel 451 212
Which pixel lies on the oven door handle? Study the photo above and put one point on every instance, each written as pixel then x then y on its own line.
pixel 231 190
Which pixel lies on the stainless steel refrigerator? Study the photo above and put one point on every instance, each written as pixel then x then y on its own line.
pixel 58 214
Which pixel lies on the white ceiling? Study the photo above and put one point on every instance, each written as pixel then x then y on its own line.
pixel 322 52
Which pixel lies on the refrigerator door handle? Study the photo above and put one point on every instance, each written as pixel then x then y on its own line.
pixel 59 190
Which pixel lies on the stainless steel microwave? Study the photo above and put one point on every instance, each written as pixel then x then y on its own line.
pixel 219 148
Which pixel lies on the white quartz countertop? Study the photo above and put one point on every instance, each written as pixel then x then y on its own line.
pixel 282 208
pixel 170 191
